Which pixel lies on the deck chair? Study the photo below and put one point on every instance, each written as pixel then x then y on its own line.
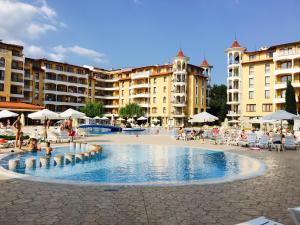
pixel 263 141
pixel 260 221
pixel 251 139
pixel 290 143
pixel 295 214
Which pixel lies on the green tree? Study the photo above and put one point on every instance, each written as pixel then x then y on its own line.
pixel 218 101
pixel 131 110
pixel 93 109
pixel 290 100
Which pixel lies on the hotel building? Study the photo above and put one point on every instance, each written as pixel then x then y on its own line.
pixel 172 92
pixel 257 79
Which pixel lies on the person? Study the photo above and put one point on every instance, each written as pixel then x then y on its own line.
pixel 45 130
pixel 8 123
pixel 48 123
pixel 32 145
pixel 243 136
pixel 18 126
pixel 180 133
pixel 48 149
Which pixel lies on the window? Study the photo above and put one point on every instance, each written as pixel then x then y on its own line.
pixel 165 79
pixel 269 54
pixel 267 107
pixel 122 101
pixel 251 94
pixel 285 79
pixel 251 82
pixel 14 65
pixel 130 91
pixel 164 99
pixel 251 70
pixel 286 65
pixel 2 62
pixel 165 89
pixel 267 81
pixel 252 57
pixel 1 87
pixel 251 108
pixel 196 100
pixel 154 110
pixel 122 92
pixel 154 90
pixel 267 94
pixel 164 110
pixel 154 99
pixel 154 80
pixel 286 51
pixel 48 65
pixel 122 83
pixel 58 67
pixel 1 74
pixel 267 68
pixel 36 96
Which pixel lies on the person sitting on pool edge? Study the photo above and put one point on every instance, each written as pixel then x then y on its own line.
pixel 48 149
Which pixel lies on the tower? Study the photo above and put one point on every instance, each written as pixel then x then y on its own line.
pixel 234 79
pixel 207 71
pixel 179 88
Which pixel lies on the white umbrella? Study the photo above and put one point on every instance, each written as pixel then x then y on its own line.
pixel 86 118
pixel 104 118
pixel 43 114
pixel 203 117
pixel 7 114
pixel 280 115
pixel 23 119
pixel 120 119
pixel 142 118
pixel 97 118
pixel 72 113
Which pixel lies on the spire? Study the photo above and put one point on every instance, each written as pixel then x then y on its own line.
pixel 235 44
pixel 180 53
pixel 204 63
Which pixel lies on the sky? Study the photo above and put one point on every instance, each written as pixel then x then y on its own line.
pixel 131 33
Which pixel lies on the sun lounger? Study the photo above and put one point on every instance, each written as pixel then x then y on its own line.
pixel 295 214
pixel 276 138
pixel 251 139
pixel 264 141
pixel 260 221
pixel 290 143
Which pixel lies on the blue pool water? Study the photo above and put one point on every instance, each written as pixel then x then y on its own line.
pixel 146 164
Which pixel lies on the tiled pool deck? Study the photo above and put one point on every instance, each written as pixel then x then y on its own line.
pixel 26 202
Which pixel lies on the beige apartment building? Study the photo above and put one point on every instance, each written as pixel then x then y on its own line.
pixel 257 79
pixel 171 92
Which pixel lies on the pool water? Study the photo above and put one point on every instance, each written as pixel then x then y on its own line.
pixel 147 164
pixel 149 131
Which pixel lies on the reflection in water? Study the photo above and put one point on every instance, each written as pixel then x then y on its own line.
pixel 147 163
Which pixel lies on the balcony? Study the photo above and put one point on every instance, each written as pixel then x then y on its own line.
pixel 179 104
pixel 27 100
pixel 17 81
pixel 50 80
pixel 179 115
pixel 233 102
pixel 142 95
pixel 27 76
pixel 144 105
pixel 17 70
pixel 232 114
pixel 108 80
pixel 69 103
pixel 181 94
pixel 138 86
pixel 287 70
pixel 65 73
pixel 27 88
pixel 107 97
pixel 140 75
pixel 286 56
pixel 111 106
pixel 279 99
pixel 17 94
pixel 18 58
pixel 107 88
pixel 179 83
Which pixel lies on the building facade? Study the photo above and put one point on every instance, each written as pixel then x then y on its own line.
pixel 171 92
pixel 257 80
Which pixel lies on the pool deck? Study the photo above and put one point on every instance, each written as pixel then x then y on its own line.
pixel 27 202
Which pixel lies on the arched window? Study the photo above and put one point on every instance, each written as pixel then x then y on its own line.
pixel 2 62
pixel 230 58
pixel 183 66
pixel 164 100
pixel 178 66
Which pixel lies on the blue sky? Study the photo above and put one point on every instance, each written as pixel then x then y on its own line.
pixel 124 33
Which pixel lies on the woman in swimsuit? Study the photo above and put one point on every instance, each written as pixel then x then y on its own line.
pixel 18 125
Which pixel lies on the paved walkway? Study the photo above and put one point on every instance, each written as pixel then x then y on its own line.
pixel 25 202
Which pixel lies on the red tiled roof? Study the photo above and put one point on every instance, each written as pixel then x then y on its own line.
pixel 235 44
pixel 180 53
pixel 19 105
pixel 204 63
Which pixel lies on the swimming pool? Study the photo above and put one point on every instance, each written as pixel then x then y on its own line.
pixel 148 164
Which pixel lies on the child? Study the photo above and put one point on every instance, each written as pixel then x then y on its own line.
pixel 48 149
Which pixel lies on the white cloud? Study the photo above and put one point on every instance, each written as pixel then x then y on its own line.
pixel 20 20
pixel 35 51
pixel 89 53
pixel 60 53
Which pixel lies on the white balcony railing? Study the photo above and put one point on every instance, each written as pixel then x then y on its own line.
pixel 139 86
pixel 140 96
pixel 113 106
pixel 287 70
pixel 140 75
pixel 106 97
pixel 286 55
pixel 65 73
